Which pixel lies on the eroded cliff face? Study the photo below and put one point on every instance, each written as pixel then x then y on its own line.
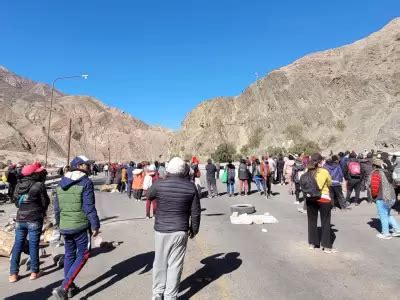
pixel 95 127
pixel 344 98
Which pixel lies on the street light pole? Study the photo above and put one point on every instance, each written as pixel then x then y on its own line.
pixel 51 109
pixel 69 140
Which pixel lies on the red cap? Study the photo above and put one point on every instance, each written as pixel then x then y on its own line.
pixel 33 168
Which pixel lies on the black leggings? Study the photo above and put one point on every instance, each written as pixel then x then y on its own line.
pixel 325 213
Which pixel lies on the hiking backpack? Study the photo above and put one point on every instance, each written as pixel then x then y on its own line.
pixel 299 171
pixel 309 186
pixel 354 169
pixel 231 174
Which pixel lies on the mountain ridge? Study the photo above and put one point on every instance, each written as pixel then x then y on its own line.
pixel 95 126
pixel 341 84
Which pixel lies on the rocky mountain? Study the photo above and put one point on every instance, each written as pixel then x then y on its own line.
pixel 344 98
pixel 24 111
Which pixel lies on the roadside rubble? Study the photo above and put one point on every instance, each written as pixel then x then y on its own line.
pixel 110 188
pixel 245 219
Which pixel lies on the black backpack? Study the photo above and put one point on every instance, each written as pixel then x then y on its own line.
pixel 309 186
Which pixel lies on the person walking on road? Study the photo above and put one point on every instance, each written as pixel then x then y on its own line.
pixel 124 179
pixel 76 215
pixel 266 175
pixel 280 165
pixel 382 193
pixel 298 171
pixel 12 180
pixel 106 166
pixel 211 170
pixel 231 174
pixel 32 201
pixel 318 200
pixel 243 174
pixel 177 218
pixel 137 184
pixel 353 174
pixel 288 171
pixel 258 179
pixel 150 178
pixel 336 192
pixel 366 169
pixel 129 174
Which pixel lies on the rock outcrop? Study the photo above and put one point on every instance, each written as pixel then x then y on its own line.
pixel 344 98
pixel 24 111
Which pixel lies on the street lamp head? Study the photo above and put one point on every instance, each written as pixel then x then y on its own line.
pixel 84 76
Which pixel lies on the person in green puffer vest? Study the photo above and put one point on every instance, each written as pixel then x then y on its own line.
pixel 76 216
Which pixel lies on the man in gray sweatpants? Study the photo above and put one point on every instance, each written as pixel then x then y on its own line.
pixel 177 219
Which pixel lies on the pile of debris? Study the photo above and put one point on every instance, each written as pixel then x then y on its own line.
pixel 110 188
pixel 243 214
pixel 245 219
pixel 7 237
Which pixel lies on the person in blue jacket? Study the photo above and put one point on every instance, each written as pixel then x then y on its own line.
pixel 129 172
pixel 76 216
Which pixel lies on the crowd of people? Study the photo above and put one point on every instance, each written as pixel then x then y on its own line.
pixel 174 190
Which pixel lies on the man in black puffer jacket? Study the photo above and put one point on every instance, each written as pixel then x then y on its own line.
pixel 177 218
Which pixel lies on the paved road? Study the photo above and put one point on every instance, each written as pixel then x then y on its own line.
pixel 234 261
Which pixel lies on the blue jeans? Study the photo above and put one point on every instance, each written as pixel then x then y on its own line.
pixel 77 249
pixel 259 182
pixel 22 230
pixel 230 187
pixel 385 217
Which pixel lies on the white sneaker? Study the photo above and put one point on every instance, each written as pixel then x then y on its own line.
pixel 396 234
pixel 302 210
pixel 383 237
pixel 330 251
pixel 311 247
pixel 296 202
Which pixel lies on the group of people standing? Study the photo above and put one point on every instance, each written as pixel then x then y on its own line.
pixel 321 182
pixel 177 220
pixel 175 188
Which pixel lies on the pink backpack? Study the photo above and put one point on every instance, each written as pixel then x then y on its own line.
pixel 354 168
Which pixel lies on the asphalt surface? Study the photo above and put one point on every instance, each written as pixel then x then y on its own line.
pixel 228 261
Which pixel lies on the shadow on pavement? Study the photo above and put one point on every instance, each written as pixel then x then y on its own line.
pixel 119 272
pixel 102 249
pixel 124 220
pixel 214 267
pixel 376 224
pixel 108 218
pixel 333 233
pixel 40 293
pixel 213 215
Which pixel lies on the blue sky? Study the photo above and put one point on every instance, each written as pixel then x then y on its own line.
pixel 158 59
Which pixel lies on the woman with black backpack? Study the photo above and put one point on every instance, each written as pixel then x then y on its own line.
pixel 315 185
pixel 32 201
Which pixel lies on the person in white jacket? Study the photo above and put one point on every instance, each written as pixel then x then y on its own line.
pixel 149 179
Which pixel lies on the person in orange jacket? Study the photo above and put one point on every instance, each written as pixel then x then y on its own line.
pixel 137 184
